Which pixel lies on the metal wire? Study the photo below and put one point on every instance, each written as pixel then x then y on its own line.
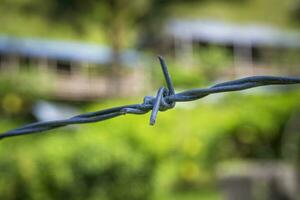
pixel 164 100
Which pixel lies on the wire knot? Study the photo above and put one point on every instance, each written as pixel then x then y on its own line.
pixel 161 102
pixel 164 103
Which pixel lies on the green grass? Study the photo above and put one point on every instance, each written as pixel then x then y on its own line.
pixel 15 21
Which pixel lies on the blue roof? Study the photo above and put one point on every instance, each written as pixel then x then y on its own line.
pixel 62 50
pixel 226 33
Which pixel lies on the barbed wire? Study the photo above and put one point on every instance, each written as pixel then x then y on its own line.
pixel 165 99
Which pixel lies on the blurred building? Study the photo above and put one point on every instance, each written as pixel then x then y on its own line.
pixel 79 71
pixel 257 179
pixel 253 46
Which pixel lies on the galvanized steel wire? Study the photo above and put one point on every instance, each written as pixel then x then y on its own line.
pixel 165 99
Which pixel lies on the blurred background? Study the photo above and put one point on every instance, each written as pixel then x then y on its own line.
pixel 59 58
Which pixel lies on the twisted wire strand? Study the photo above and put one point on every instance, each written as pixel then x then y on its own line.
pixel 164 100
pixel 235 85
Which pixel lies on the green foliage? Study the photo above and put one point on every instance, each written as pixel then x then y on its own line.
pixel 187 78
pixel 90 20
pixel 213 60
pixel 125 158
pixel 25 84
pixel 74 167
pixel 281 13
pixel 17 90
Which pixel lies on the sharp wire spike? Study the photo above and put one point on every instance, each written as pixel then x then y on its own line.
pixel 156 105
pixel 166 75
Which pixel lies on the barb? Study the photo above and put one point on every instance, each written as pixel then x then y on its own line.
pixel 164 100
pixel 167 75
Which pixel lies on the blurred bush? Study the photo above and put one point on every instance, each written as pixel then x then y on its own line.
pixel 213 60
pixel 25 84
pixel 125 158
pixel 18 90
pixel 74 167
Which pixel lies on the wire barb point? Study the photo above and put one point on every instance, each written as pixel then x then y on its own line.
pixel 156 105
pixel 166 75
